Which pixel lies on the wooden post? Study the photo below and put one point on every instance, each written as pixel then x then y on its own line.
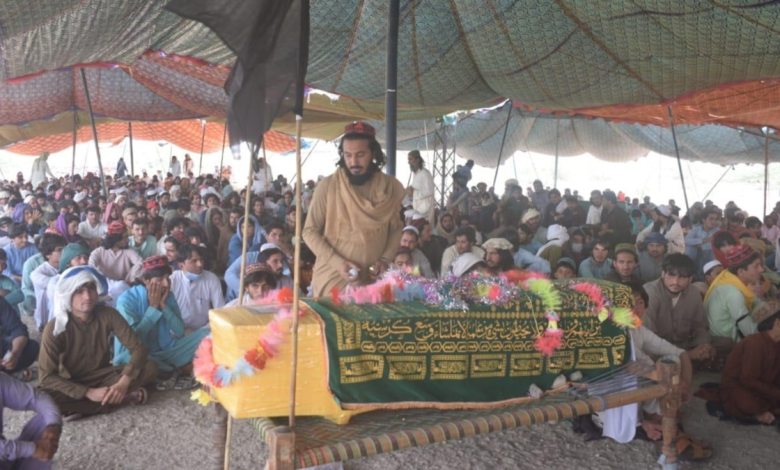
pixel 220 434
pixel 669 375
pixel 281 449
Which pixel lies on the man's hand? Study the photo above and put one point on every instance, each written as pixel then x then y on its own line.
pixel 116 393
pixel 156 294
pixel 378 268
pixel 350 272
pixel 702 352
pixel 97 394
pixel 10 363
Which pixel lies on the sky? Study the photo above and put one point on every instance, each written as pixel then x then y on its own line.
pixel 656 175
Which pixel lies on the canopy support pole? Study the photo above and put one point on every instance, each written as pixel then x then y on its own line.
pixel 296 269
pixel 766 166
pixel 677 152
pixel 94 133
pixel 503 141
pixel 305 159
pixel 202 140
pixel 557 135
pixel 222 156
pixel 75 131
pixel 391 81
pixel 718 182
pixel 132 156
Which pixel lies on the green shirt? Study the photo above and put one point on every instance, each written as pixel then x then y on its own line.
pixel 726 305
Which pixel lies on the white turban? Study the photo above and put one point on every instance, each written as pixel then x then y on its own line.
pixel 70 281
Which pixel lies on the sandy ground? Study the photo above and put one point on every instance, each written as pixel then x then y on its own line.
pixel 172 432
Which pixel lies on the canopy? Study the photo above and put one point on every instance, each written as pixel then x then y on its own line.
pixel 618 59
pixel 478 137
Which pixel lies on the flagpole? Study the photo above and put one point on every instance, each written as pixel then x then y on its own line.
pixel 94 133
pixel 391 80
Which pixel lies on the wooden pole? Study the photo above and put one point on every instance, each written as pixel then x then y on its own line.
pixel 94 133
pixel 669 374
pixel 220 434
pixel 296 269
pixel 202 140
pixel 222 156
pixel 75 132
pixel 557 139
pixel 503 141
pixel 132 157
pixel 391 82
pixel 766 167
pixel 677 152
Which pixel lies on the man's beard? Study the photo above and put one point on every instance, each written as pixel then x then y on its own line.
pixel 360 180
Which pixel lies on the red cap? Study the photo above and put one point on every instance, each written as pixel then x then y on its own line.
pixel 360 128
pixel 154 262
pixel 738 255
pixel 151 204
pixel 117 227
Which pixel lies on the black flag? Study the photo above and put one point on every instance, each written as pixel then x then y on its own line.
pixel 271 41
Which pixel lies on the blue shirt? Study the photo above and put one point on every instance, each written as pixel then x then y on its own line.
pixel 590 268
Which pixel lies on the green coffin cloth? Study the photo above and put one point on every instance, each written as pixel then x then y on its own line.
pixel 408 351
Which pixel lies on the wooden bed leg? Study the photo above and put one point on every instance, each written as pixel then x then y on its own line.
pixel 669 374
pixel 281 449
pixel 219 435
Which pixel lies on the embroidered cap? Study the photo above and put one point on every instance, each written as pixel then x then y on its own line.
pixel 739 254
pixel 155 262
pixel 360 128
pixel 117 227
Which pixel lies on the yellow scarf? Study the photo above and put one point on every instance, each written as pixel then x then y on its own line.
pixel 726 278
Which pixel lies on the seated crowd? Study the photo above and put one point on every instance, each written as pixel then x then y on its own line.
pixel 120 287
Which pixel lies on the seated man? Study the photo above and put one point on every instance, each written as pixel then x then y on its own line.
pixel 565 269
pixel 259 281
pixel 410 238
pixel 624 266
pixel 18 350
pixel 51 245
pixel 729 301
pixel 141 241
pixel 195 289
pixel 18 251
pixel 652 257
pixel 269 254
pixel 154 315
pixel 750 387
pixel 598 264
pixel 75 359
pixel 498 256
pixel 40 437
pixel 9 289
pixel 676 312
pixel 116 261
pixel 465 239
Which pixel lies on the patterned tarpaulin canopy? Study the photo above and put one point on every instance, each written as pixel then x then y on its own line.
pixel 712 62
pixel 478 136
pixel 184 134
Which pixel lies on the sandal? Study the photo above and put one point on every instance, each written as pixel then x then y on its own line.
pixel 692 450
pixel 137 397
pixel 185 382
pixel 167 384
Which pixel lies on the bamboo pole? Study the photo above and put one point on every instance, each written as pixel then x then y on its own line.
pixel 503 141
pixel 132 156
pixel 94 133
pixel 75 132
pixel 222 156
pixel 296 269
pixel 677 152
pixel 202 141
pixel 391 82
pixel 669 373
pixel 557 139
pixel 766 168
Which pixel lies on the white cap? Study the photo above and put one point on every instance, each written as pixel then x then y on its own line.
pixel 665 210
pixel 465 262
pixel 411 228
pixel 269 246
pixel 709 266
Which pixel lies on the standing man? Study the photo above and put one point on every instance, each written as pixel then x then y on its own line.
pixel 353 225
pixel 422 187
pixel 121 168
pixel 615 222
pixel 40 169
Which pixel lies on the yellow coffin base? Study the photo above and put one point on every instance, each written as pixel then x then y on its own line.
pixel 267 393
